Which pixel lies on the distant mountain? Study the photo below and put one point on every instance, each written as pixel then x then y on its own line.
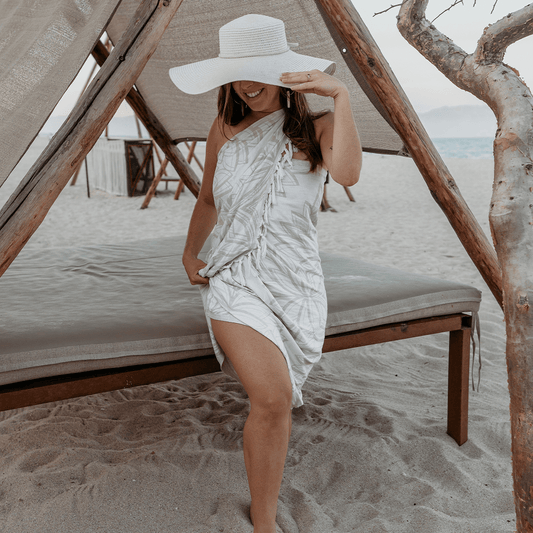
pixel 459 121
pixel 118 127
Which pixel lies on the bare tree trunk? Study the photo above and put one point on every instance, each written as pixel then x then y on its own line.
pixel 484 74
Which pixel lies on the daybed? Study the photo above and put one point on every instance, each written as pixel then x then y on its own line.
pixel 89 319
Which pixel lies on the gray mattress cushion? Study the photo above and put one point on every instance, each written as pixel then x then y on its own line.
pixel 66 310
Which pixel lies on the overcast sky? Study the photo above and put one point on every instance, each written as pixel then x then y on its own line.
pixel 424 84
pixel 426 87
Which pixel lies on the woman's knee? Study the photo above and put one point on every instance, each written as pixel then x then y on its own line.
pixel 273 405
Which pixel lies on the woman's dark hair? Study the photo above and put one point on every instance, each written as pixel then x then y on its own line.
pixel 298 125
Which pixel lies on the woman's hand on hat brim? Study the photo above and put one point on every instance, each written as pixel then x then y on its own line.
pixel 314 81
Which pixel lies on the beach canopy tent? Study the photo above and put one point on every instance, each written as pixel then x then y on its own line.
pixel 44 45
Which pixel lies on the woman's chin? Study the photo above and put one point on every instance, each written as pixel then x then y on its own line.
pixel 265 109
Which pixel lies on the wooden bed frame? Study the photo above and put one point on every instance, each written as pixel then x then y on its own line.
pixel 56 388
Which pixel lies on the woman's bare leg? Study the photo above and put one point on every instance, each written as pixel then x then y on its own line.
pixel 263 372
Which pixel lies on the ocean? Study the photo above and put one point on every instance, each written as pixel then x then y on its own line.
pixel 465 148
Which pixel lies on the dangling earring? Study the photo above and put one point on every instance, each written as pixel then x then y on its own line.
pixel 288 98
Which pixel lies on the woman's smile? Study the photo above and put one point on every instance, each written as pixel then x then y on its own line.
pixel 261 98
pixel 254 94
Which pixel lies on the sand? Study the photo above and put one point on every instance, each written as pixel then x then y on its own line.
pixel 369 451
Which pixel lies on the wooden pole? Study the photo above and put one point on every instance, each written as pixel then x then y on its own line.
pixel 87 178
pixel 190 156
pixel 89 78
pixel 193 155
pixel 156 130
pixel 139 132
pixel 107 44
pixel 179 190
pixel 325 205
pixel 151 191
pixel 349 194
pixel 29 204
pixel 358 42
pixel 156 150
pixel 75 177
pixel 191 148
pixel 140 171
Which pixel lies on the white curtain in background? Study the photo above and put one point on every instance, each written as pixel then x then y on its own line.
pixel 106 164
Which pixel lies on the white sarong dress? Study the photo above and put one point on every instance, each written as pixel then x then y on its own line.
pixel 263 266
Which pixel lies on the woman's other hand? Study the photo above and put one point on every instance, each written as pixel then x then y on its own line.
pixel 192 266
pixel 314 81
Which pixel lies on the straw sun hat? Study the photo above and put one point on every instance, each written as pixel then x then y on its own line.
pixel 252 48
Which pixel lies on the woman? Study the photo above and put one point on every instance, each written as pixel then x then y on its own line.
pixel 262 287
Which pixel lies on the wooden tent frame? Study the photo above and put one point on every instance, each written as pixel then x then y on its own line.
pixel 33 198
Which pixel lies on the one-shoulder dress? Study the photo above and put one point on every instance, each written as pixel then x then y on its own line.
pixel 263 266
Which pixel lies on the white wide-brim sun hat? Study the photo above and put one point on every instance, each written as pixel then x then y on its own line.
pixel 252 48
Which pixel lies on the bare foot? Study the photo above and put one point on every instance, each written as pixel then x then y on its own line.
pixel 276 528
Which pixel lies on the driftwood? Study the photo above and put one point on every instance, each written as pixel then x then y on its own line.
pixel 156 130
pixel 365 52
pixel 29 204
pixel 484 74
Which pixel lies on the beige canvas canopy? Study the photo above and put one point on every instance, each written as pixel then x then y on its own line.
pixel 193 36
pixel 43 46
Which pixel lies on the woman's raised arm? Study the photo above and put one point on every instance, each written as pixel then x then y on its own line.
pixel 336 132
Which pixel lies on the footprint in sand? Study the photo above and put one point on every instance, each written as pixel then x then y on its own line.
pixel 38 459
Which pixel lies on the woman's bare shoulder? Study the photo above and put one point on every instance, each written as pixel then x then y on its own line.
pixel 218 135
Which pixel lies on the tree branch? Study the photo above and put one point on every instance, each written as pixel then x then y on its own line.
pixel 388 9
pixel 442 12
pixel 498 37
pixel 430 42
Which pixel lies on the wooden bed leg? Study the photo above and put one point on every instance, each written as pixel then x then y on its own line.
pixel 458 373
pixel 179 190
pixel 151 191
